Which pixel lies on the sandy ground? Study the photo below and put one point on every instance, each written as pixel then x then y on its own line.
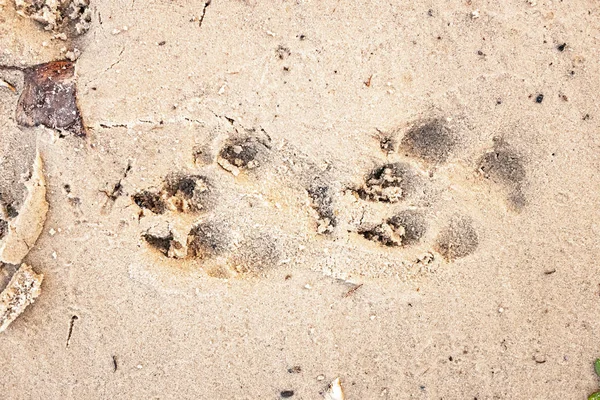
pixel 414 209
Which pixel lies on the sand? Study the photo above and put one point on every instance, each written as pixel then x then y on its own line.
pixel 249 200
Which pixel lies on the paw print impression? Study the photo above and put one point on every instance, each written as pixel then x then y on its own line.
pixel 249 207
pixel 213 224
pixel 458 239
pixel 403 196
pixel 430 141
pixel 503 167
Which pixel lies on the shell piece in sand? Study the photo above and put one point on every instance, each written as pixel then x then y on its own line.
pixel 20 292
pixel 24 230
pixel 335 392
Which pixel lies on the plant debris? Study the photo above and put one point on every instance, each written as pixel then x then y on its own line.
pixel 24 229
pixel 5 84
pixel 21 291
pixel 354 289
pixel 50 98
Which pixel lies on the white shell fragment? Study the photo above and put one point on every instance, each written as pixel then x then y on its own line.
pixel 25 229
pixel 335 392
pixel 20 292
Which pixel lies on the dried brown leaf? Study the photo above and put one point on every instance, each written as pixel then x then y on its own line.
pixel 50 98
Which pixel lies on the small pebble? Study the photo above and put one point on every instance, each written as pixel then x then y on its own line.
pixel 321 377
pixel 286 394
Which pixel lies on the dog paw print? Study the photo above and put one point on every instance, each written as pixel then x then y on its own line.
pixel 198 220
pixel 403 199
pixel 248 205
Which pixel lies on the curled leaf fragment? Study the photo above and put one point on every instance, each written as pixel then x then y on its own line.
pixel 22 232
pixel 49 98
pixel 21 291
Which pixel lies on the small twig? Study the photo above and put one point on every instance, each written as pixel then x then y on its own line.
pixel 354 289
pixel 201 19
pixel 5 84
pixel 11 68
pixel 118 188
pixel 115 365
pixel 73 319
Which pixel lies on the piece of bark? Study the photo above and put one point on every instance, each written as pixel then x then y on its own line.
pixel 23 288
pixel 49 98
pixel 24 230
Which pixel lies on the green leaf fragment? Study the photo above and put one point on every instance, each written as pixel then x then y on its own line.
pixel 594 396
pixel 597 366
